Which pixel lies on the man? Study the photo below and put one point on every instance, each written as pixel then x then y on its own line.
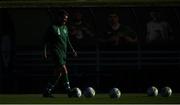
pixel 80 30
pixel 157 29
pixel 117 33
pixel 56 42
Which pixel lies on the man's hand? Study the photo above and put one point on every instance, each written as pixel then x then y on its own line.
pixel 44 56
pixel 75 53
pixel 45 53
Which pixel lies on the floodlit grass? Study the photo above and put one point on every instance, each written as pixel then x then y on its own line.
pixel 98 99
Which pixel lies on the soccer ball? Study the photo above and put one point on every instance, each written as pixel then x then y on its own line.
pixel 115 93
pixel 152 91
pixel 89 92
pixel 76 92
pixel 166 91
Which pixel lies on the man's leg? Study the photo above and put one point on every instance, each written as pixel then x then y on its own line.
pixel 62 72
pixel 66 80
pixel 55 79
pixel 53 82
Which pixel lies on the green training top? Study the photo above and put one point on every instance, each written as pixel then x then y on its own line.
pixel 57 41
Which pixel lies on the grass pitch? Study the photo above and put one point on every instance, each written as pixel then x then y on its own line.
pixel 98 99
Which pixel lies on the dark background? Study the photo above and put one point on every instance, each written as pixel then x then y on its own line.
pixel 130 67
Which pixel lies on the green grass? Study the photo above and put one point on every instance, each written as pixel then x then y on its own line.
pixel 98 99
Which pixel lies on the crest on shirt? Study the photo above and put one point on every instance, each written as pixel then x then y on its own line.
pixel 60 31
pixel 65 31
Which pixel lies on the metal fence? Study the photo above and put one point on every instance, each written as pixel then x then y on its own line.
pixel 101 69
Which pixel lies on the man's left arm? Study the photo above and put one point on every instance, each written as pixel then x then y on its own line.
pixel 74 52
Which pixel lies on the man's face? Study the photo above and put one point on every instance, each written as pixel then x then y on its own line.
pixel 78 16
pixel 155 16
pixel 114 19
pixel 63 19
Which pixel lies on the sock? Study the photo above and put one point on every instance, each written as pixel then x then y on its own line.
pixel 66 82
pixel 53 82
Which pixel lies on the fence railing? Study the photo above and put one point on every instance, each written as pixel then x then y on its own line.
pixel 104 68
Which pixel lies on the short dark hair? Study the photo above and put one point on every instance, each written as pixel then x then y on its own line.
pixel 62 13
pixel 113 14
pixel 56 13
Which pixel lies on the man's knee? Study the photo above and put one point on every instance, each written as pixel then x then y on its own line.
pixel 65 69
pixel 62 69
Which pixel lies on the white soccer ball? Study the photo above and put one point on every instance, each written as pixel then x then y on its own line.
pixel 76 92
pixel 166 91
pixel 152 91
pixel 115 93
pixel 89 92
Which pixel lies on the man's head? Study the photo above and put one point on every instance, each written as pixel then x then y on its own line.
pixel 113 18
pixel 61 17
pixel 155 16
pixel 77 16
